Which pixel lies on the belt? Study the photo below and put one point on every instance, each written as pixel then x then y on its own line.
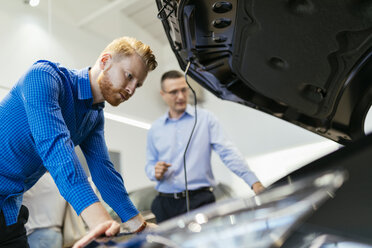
pixel 182 194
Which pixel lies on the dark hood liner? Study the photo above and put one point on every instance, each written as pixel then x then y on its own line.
pixel 306 62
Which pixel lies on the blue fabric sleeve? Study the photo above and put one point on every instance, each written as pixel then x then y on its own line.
pixel 151 157
pixel 108 181
pixel 228 152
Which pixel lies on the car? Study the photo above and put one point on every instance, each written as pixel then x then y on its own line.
pixel 308 62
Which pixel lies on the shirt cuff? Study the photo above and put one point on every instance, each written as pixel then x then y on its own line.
pixel 250 178
pixel 126 210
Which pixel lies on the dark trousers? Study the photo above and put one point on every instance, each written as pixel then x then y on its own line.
pixel 14 236
pixel 166 207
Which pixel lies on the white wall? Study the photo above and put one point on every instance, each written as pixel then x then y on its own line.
pixel 26 35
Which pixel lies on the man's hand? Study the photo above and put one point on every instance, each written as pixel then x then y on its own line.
pixel 99 222
pixel 258 187
pixel 150 227
pixel 160 168
pixel 107 229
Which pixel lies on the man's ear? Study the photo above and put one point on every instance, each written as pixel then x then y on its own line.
pixel 105 61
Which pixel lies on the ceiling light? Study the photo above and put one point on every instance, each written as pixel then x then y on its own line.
pixel 33 3
pixel 127 121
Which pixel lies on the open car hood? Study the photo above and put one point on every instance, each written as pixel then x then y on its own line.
pixel 308 62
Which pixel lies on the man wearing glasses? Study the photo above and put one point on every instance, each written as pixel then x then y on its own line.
pixel 166 143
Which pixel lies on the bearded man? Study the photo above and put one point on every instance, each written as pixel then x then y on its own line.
pixel 49 111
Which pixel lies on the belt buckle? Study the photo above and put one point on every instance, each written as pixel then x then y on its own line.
pixel 179 195
pixel 176 196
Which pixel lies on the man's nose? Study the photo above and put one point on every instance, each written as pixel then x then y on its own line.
pixel 180 94
pixel 131 88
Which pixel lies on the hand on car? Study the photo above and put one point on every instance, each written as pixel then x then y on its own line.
pixel 107 229
pixel 150 226
pixel 258 188
pixel 160 168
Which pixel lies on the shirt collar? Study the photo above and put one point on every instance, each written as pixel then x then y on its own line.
pixel 189 111
pixel 83 84
pixel 85 91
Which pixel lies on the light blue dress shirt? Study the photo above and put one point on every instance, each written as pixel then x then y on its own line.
pixel 167 140
pixel 45 115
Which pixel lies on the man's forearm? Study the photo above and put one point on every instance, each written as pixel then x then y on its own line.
pixel 95 214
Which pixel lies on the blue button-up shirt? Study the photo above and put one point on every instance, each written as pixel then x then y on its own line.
pixel 167 140
pixel 45 115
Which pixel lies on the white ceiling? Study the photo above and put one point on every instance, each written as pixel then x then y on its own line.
pixel 108 16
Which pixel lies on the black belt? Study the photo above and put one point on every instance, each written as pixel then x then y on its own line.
pixel 183 193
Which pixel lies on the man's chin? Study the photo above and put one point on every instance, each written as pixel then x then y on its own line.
pixel 113 103
pixel 181 109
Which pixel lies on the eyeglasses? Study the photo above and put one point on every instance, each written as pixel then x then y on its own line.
pixel 174 93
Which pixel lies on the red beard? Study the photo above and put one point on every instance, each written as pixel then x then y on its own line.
pixel 110 94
